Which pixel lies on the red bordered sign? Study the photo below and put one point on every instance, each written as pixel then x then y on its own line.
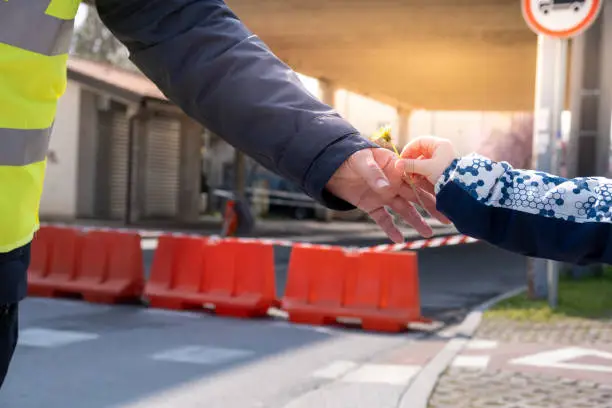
pixel 560 18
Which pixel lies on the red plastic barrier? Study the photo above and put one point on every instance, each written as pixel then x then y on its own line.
pixel 380 289
pixel 99 266
pixel 190 273
pixel 54 260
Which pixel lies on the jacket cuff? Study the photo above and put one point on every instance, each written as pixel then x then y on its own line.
pixel 334 140
pixel 446 175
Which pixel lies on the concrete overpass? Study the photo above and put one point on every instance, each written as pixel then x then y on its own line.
pixel 434 54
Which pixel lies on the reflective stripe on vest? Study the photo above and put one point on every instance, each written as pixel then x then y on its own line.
pixel 23 22
pixel 21 147
pixel 34 42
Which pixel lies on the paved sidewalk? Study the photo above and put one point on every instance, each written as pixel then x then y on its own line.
pixel 513 364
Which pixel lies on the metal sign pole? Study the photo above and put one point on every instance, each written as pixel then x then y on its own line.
pixel 554 23
pixel 549 105
pixel 558 107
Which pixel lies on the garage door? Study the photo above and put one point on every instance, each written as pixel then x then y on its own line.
pixel 118 163
pixel 162 168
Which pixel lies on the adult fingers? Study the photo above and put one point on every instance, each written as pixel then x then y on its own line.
pixel 365 165
pixel 427 199
pixel 424 184
pixel 384 220
pixel 411 216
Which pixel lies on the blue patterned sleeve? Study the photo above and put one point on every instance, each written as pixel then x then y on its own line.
pixel 529 212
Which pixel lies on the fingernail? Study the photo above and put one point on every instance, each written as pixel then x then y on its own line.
pixel 382 183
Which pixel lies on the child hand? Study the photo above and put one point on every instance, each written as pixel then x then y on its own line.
pixel 426 156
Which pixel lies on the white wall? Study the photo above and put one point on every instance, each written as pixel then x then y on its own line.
pixel 366 114
pixel 59 194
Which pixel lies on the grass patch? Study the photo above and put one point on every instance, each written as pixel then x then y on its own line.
pixel 587 298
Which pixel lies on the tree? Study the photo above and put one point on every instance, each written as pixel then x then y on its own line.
pixel 93 41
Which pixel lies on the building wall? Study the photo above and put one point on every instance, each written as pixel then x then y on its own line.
pixel 60 188
pixel 366 114
pixel 88 155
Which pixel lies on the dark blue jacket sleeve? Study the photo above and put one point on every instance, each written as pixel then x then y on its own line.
pixel 529 212
pixel 205 60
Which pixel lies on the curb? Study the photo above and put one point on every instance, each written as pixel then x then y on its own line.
pixel 419 391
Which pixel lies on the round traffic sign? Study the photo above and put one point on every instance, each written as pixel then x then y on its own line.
pixel 560 18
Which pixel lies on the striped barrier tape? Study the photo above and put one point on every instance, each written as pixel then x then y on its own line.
pixel 451 240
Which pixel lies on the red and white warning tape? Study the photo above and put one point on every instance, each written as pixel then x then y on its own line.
pixel 412 245
pixel 451 240
pixel 423 243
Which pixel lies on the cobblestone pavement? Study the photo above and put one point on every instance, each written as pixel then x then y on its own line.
pixel 570 331
pixel 465 388
pixel 531 365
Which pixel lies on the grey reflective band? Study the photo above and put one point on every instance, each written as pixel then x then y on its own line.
pixel 24 24
pixel 19 147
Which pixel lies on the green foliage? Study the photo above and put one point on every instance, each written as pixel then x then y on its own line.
pixel 93 41
pixel 587 298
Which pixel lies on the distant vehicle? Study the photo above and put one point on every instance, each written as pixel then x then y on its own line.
pixel 283 197
pixel 547 5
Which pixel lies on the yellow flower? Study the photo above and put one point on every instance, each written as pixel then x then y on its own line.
pixel 383 138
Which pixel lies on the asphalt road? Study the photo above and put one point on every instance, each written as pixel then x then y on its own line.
pixel 77 355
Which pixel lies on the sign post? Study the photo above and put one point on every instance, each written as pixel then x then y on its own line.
pixel 555 22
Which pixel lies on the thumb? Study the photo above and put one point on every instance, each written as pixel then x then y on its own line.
pixel 364 163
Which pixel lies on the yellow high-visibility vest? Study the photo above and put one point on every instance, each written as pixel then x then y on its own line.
pixel 35 38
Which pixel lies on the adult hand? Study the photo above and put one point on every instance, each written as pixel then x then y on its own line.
pixel 428 157
pixel 371 181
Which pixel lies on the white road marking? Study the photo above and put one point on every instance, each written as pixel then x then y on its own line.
pixel 480 362
pixel 335 370
pixel 382 374
pixel 202 355
pixel 49 338
pixel 482 345
pixel 558 359
pixel 173 313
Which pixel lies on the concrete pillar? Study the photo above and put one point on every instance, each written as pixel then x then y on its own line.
pixel 403 128
pixel 190 171
pixel 328 92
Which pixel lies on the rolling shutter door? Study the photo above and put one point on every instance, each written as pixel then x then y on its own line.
pixel 162 167
pixel 118 164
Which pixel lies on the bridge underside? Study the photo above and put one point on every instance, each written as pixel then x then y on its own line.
pixel 434 54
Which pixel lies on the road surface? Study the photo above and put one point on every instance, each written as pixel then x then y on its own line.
pixel 77 355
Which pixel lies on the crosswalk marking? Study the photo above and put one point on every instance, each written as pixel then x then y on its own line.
pixel 49 338
pixel 352 372
pixel 481 345
pixel 562 359
pixel 335 370
pixel 479 362
pixel 202 355
pixel 382 374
